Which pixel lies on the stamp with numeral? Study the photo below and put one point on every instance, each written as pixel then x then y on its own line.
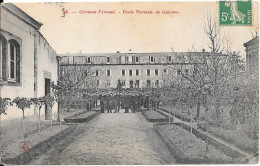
pixel 235 12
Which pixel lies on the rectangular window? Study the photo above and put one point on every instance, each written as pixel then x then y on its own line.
pixel 96 72
pixel 157 83
pixel 123 83
pixel 131 84
pixel 88 59
pixel 137 59
pixel 137 83
pixel 1 56
pixel 108 72
pixel 148 72
pixel 165 70
pixel 12 71
pixel 123 72
pixel 108 59
pixel 137 72
pixel 151 58
pixel 130 73
pixel 97 83
pixel 148 83
pixel 126 59
pixel 156 72
pixel 130 59
pixel 169 59
pixel 133 59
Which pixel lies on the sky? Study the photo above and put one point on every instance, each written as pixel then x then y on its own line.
pixel 109 33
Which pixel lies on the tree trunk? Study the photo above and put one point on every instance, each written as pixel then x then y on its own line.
pixel 51 116
pixel 39 120
pixel 23 132
pixel 198 109
pixel 0 145
pixel 59 111
pixel 68 105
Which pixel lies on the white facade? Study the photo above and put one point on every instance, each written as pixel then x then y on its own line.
pixel 34 62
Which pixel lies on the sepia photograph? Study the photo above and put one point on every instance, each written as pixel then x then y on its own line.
pixel 129 83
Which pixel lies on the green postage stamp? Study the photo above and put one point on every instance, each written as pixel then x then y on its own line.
pixel 235 12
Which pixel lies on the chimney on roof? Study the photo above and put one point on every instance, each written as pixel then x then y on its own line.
pixel 118 52
pixel 203 50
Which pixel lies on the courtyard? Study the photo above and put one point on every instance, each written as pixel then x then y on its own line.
pixel 117 138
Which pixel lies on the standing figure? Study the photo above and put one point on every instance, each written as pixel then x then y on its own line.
pixel 118 101
pixel 105 103
pixel 126 102
pixel 109 104
pixel 101 99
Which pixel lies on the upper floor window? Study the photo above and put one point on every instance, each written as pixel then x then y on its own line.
pixel 123 72
pixel 97 73
pixel 137 59
pixel 88 60
pixel 130 72
pixel 148 72
pixel 151 58
pixel 97 83
pixel 156 72
pixel 133 59
pixel 137 72
pixel 14 61
pixel 126 59
pixel 169 59
pixel 108 72
pixel 108 59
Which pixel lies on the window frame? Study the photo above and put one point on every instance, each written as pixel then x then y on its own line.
pixel 6 39
pixel 148 72
pixel 108 73
pixel 137 72
pixel 130 72
pixel 156 72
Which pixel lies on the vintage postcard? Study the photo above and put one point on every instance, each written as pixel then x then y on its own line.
pixel 126 83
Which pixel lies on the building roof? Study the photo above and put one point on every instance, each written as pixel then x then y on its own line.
pixel 125 54
pixel 22 15
pixel 250 41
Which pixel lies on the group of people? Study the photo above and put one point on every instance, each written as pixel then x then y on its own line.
pixel 113 102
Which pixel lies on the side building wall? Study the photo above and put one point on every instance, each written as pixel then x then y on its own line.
pixel 34 58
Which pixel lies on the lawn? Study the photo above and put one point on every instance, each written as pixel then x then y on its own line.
pixel 192 147
pixel 237 138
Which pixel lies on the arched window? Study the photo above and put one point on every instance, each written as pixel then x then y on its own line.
pixel 2 58
pixel 13 61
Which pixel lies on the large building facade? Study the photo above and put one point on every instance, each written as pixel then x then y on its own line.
pixel 134 70
pixel 27 61
pixel 252 56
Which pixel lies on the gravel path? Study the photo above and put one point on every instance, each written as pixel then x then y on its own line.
pixel 124 138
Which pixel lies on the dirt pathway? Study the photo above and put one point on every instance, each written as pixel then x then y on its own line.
pixel 110 139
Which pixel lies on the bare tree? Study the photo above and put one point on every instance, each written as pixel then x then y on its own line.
pixel 71 82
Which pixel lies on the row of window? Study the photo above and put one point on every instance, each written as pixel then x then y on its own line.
pixel 128 59
pixel 9 60
pixel 137 72
pixel 132 83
